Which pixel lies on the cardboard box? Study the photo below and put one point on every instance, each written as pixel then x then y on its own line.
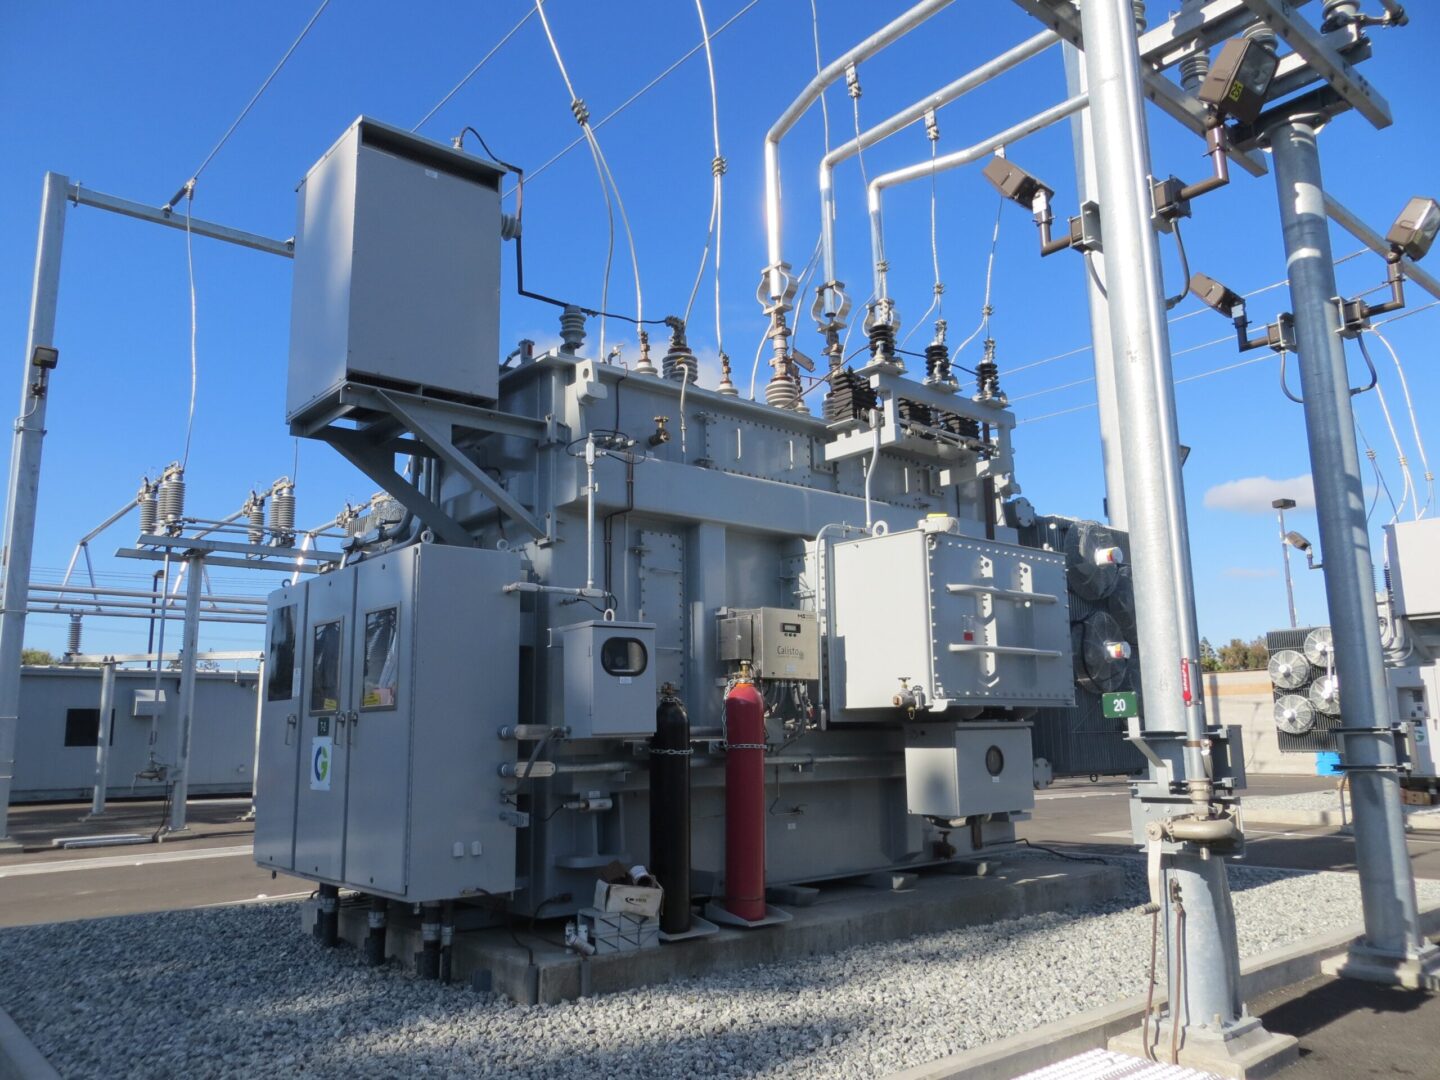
pixel 620 931
pixel 630 898
pixel 1415 798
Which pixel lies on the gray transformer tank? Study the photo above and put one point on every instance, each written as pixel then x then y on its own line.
pixel 588 502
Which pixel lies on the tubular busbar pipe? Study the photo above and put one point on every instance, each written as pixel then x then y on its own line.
pixel 745 801
pixel 901 120
pixel 670 810
pixel 1209 998
pixel 1387 884
pixel 23 492
pixel 953 160
pixel 887 34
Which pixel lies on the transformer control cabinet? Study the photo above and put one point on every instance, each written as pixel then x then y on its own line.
pixel 610 690
pixel 389 222
pixel 959 622
pixel 958 770
pixel 779 643
pixel 386 683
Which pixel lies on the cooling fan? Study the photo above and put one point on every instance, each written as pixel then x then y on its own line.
pixel 1325 695
pixel 1320 647
pixel 1289 670
pixel 1294 715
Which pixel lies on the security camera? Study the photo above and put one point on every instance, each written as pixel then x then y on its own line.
pixel 1414 230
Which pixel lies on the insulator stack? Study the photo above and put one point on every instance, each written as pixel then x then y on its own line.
pixel 72 635
pixel 172 498
pixel 987 374
pixel 149 511
pixel 255 515
pixel 725 387
pixel 782 391
pixel 914 412
pixel 958 425
pixel 882 341
pixel 572 330
pixel 679 361
pixel 850 396
pixel 282 514
pixel 937 363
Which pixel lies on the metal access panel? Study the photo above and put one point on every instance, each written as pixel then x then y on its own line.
pixel 610 687
pixel 956 770
pixel 975 624
pixel 397 270
pixel 1413 548
pixel 277 774
pixel 779 643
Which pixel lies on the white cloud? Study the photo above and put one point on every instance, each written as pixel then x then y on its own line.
pixel 1254 494
pixel 1248 573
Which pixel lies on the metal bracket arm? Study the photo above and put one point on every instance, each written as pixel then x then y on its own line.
pixel 379 466
pixel 451 455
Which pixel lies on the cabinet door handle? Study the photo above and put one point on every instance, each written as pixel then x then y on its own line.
pixel 291 723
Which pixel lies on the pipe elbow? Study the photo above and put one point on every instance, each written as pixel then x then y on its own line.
pixel 1194 830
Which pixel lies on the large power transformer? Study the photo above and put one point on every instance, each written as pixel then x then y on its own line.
pixel 466 710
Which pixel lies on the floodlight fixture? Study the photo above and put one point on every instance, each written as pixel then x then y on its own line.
pixel 1302 545
pixel 1284 504
pixel 45 356
pixel 1278 336
pixel 1239 79
pixel 1415 229
pixel 1015 183
pixel 1217 295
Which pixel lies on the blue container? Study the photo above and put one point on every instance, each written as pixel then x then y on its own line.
pixel 1327 764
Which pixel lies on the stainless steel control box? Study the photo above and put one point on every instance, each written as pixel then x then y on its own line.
pixel 956 770
pixel 779 643
pixel 610 687
pixel 397 270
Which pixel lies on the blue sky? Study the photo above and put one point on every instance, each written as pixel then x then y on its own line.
pixel 128 98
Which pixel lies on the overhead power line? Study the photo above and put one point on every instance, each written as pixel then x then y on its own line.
pixel 656 81
pixel 189 185
pixel 474 70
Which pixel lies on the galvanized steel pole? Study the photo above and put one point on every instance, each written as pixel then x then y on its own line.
pixel 25 477
pixel 102 739
pixel 1208 998
pixel 1107 405
pixel 1393 941
pixel 194 582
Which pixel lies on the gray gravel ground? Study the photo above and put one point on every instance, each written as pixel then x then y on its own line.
pixel 239 992
pixel 1312 800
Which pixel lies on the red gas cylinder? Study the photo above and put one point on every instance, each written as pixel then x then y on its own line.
pixel 745 800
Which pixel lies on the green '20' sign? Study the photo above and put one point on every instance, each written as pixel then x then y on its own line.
pixel 1119 706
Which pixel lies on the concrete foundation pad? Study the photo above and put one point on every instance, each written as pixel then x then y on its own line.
pixel 1247 1052
pixel 1421 972
pixel 530 968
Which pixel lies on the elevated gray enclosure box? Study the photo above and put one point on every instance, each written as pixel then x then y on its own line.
pixel 967 624
pixel 957 770
pixel 610 688
pixel 397 270
pixel 1413 552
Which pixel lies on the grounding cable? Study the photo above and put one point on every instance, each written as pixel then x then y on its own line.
pixel 602 169
pixel 1408 491
pixel 190 184
pixel 1380 484
pixel 714 231
pixel 474 71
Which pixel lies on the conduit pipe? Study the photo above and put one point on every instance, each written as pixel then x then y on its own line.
pixel 829 286
pixel 923 169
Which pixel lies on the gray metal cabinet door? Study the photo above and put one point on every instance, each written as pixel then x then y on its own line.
pixel 376 838
pixel 324 722
pixel 278 774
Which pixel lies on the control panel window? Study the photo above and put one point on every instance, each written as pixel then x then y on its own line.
pixel 325 668
pixel 623 656
pixel 382 659
pixel 280 656
pixel 82 727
